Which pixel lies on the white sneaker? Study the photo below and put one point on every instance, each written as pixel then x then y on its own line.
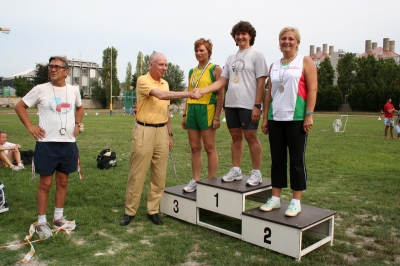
pixel 232 175
pixel 270 205
pixel 255 178
pixel 15 168
pixel 43 230
pixel 21 166
pixel 192 186
pixel 293 210
pixel 64 223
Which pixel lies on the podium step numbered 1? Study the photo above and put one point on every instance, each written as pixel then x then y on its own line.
pixel 270 230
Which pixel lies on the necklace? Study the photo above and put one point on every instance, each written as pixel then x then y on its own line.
pixel 281 87
pixel 236 70
pixel 194 82
pixel 63 130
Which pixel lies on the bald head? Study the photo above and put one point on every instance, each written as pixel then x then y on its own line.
pixel 158 65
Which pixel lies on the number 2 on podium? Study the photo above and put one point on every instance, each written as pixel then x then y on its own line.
pixel 267 235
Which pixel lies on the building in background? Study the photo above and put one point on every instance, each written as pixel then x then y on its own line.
pixel 81 73
pixel 387 51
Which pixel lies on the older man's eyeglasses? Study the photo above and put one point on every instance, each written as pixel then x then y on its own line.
pixel 56 67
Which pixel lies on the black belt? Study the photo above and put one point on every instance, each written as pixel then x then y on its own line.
pixel 150 125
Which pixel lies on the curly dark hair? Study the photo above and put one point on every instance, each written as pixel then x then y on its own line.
pixel 244 26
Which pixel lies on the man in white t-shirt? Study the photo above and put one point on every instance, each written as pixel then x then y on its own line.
pixel 60 114
pixel 9 152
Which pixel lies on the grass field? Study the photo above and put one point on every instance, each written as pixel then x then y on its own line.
pixel 355 173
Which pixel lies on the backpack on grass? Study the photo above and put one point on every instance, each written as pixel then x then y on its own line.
pixel 3 199
pixel 106 159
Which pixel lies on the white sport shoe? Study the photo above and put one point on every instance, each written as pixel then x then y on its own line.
pixel 15 168
pixel 192 186
pixel 64 223
pixel 270 205
pixel 255 178
pixel 232 175
pixel 292 210
pixel 21 166
pixel 43 230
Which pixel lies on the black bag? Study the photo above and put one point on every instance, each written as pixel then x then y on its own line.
pixel 106 159
pixel 26 156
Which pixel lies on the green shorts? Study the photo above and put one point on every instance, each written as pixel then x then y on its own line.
pixel 200 116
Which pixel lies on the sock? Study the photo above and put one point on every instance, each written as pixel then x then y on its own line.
pixel 58 213
pixel 295 201
pixel 42 219
pixel 257 171
pixel 276 199
pixel 237 169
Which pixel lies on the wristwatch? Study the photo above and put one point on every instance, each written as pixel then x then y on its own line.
pixel 258 105
pixel 308 112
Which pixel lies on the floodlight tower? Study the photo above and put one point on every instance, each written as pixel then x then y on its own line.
pixel 5 30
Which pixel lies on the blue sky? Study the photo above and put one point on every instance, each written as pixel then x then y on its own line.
pixel 83 29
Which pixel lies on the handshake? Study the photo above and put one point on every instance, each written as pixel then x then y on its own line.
pixel 196 94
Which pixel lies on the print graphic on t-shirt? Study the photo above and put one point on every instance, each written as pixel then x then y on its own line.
pixel 57 106
pixel 239 64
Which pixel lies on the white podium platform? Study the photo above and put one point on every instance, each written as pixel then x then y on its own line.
pixel 228 198
pixel 271 230
pixel 275 231
pixel 179 204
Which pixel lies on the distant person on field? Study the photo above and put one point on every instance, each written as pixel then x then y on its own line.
pixel 60 114
pixel 9 152
pixel 388 110
pixel 151 140
pixel 201 117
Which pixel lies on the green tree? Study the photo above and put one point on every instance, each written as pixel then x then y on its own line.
pixel 329 98
pixel 175 78
pixel 42 74
pixel 22 86
pixel 366 70
pixel 1 80
pixel 109 72
pixel 140 69
pixel 98 92
pixel 127 83
pixel 346 68
pixel 326 73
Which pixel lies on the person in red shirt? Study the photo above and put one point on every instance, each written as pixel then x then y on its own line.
pixel 388 110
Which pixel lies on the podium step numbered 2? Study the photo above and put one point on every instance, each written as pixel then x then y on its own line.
pixel 271 230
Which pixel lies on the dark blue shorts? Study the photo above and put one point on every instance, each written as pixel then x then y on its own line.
pixel 55 156
pixel 239 118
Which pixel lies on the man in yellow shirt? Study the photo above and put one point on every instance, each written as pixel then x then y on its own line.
pixel 151 139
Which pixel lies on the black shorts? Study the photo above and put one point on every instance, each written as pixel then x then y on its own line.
pixel 55 156
pixel 239 118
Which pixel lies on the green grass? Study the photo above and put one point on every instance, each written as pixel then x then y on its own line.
pixel 355 173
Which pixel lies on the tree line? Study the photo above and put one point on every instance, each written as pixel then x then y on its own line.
pixel 363 82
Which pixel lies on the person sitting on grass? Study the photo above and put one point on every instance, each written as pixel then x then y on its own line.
pixel 9 152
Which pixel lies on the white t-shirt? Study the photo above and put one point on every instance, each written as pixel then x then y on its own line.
pixel 56 107
pixel 7 145
pixel 250 65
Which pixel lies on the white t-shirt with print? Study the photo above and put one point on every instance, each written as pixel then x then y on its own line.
pixel 56 106
pixel 247 65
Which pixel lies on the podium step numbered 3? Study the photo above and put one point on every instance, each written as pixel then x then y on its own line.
pixel 270 230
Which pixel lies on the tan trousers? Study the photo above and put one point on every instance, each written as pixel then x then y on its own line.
pixel 149 148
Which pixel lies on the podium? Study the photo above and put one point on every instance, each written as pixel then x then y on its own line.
pixel 271 230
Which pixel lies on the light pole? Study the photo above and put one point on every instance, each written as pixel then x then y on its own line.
pixel 111 85
pixel 5 30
